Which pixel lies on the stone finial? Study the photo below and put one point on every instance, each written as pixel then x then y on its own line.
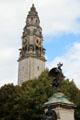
pixel 33 10
pixel 33 5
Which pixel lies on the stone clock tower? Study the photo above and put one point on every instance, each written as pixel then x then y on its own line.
pixel 31 60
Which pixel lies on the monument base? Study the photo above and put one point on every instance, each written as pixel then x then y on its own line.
pixel 63 108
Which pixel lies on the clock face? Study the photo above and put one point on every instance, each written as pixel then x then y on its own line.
pixel 38 42
pixel 24 42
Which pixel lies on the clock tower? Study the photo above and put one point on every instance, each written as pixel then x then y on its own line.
pixel 32 59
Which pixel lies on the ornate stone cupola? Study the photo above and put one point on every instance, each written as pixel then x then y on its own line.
pixel 32 38
pixel 32 59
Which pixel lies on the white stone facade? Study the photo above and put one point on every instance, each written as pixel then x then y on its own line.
pixel 65 114
pixel 30 68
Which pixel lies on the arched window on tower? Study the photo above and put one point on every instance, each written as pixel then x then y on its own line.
pixel 36 21
pixel 38 68
pixel 31 18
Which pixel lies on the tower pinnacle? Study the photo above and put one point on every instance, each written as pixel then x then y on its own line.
pixel 32 53
pixel 32 11
pixel 32 35
pixel 33 5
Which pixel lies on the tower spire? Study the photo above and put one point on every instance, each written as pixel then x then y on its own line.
pixel 32 11
pixel 33 5
pixel 32 51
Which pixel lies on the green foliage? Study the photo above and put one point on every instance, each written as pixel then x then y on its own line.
pixel 26 102
pixel 8 105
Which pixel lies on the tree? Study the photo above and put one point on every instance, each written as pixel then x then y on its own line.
pixel 8 105
pixel 26 102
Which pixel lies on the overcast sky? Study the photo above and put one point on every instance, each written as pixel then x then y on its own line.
pixel 60 21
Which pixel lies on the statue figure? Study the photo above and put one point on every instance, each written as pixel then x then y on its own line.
pixel 57 75
pixel 50 115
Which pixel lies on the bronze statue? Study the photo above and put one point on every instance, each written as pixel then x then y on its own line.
pixel 57 75
pixel 50 115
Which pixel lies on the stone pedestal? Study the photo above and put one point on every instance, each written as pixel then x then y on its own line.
pixel 63 108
